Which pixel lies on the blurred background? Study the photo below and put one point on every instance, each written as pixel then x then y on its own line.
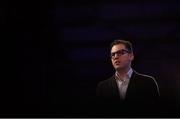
pixel 62 53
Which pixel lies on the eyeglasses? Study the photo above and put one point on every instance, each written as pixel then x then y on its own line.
pixel 119 53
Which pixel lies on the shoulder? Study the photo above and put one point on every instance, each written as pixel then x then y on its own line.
pixel 107 81
pixel 104 86
pixel 147 81
pixel 143 75
pixel 144 78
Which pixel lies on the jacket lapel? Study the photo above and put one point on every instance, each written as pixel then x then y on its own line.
pixel 131 85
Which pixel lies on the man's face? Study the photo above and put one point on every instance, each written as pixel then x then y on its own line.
pixel 121 58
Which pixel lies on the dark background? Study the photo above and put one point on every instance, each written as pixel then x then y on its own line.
pixel 62 52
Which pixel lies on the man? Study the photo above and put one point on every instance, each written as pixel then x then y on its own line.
pixel 126 86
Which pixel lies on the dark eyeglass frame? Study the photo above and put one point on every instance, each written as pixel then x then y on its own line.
pixel 119 53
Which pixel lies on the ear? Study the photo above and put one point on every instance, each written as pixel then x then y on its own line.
pixel 132 56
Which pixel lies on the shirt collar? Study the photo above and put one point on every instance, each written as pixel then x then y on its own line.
pixel 129 74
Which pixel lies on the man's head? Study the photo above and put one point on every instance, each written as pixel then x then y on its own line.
pixel 121 54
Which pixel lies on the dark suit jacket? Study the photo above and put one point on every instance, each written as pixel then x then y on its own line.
pixel 142 90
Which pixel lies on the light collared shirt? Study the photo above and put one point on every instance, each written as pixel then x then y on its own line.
pixel 123 82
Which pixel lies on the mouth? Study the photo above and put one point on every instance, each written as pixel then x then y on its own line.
pixel 117 62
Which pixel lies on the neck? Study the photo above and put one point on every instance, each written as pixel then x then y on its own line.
pixel 123 72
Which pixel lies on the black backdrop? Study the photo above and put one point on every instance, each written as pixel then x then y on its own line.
pixel 62 52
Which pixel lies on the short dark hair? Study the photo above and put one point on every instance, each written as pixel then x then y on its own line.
pixel 127 44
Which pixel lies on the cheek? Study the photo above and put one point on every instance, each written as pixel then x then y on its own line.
pixel 112 61
pixel 126 59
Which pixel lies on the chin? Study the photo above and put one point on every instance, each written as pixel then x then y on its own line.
pixel 117 68
pixel 120 67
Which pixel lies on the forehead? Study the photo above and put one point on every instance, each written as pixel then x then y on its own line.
pixel 118 47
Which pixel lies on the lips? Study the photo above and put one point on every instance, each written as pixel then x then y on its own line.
pixel 117 62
